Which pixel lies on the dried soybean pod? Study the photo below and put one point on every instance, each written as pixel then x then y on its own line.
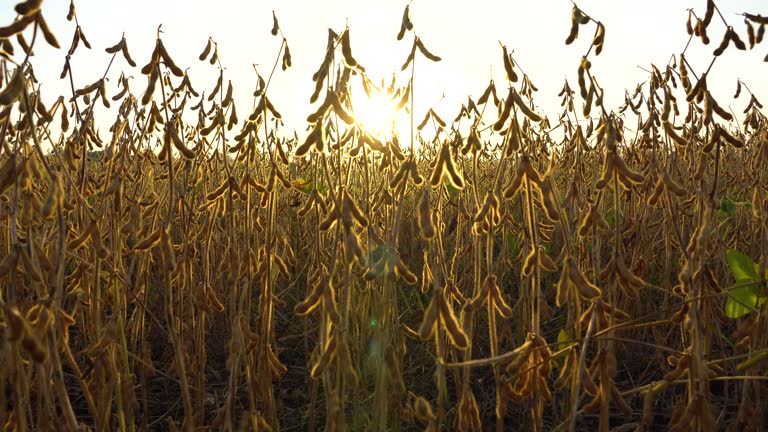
pixel 351 210
pixel 574 26
pixel 152 82
pixel 730 139
pixel 425 52
pixel 13 89
pixel 524 108
pixel 103 93
pixel 516 183
pixel 327 355
pixel 177 142
pixel 206 50
pixel 406 23
pixel 410 57
pixel 217 87
pixel 508 66
pixel 450 167
pixel 54 199
pixel 404 272
pixel 424 121
pixel 624 171
pixel 275 25
pixel 228 96
pixel 584 66
pixel 437 118
pixel 530 262
pixel 424 220
pixel 400 176
pixel 423 410
pixel 480 297
pixel 708 13
pixel 548 201
pixel 82 238
pixel 413 169
pixel 626 274
pixel 670 130
pixel 546 262
pixel 439 168
pixel 599 39
pixel 81 35
pixel 312 300
pixel 486 208
pixel 150 241
pixel 16 27
pixel 346 50
pixel 494 292
pixel 309 205
pixel 680 368
pixel 47 33
pixel 216 193
pixel 736 39
pixel 428 323
pixel 98 247
pixel 28 7
pixel 451 323
pixel 672 186
pixel 655 195
pixel 608 171
pixel 723 45
pixel 287 62
pixel 714 138
pixel 504 114
pixel 71 12
pixel 587 289
pixel 329 220
pixel 491 89
pixel 750 34
pixel 588 101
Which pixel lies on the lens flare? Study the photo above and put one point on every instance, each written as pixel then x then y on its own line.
pixel 377 113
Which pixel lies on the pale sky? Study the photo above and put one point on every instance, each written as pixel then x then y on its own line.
pixel 465 34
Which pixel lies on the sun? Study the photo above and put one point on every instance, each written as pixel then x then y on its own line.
pixel 377 114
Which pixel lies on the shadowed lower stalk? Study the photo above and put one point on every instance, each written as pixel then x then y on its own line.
pixel 537 409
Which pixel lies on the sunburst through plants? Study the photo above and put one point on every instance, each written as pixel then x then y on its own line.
pixel 390 259
pixel 377 112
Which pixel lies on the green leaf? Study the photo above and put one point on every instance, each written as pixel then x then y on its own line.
pixel 748 296
pixel 727 206
pixel 306 186
pixel 512 245
pixel 453 190
pixel 743 301
pixel 742 266
pixel 320 188
pixel 303 186
pixel 563 341
pixel 754 360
